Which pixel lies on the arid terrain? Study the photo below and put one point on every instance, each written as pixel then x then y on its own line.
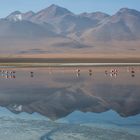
pixel 55 32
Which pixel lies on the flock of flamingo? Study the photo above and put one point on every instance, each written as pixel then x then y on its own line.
pixel 113 72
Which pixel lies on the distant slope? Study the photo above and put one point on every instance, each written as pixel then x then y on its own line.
pixel 123 26
pixel 22 29
pixel 56 27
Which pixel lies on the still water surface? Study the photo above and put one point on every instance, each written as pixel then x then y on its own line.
pixel 70 103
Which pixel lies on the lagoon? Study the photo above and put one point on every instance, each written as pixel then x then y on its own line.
pixel 70 103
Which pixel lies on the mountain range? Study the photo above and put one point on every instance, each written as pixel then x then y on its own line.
pixel 56 29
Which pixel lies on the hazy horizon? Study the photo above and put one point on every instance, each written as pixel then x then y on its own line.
pixel 76 7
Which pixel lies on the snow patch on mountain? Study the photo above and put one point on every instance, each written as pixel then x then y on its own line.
pixel 17 17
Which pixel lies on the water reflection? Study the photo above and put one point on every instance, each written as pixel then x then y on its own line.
pixel 57 92
pixel 82 102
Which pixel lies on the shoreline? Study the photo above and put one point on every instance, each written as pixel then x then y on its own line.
pixel 69 62
pixel 26 65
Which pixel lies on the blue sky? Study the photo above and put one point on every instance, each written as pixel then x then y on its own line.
pixel 76 6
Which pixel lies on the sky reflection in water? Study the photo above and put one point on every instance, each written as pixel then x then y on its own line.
pixel 98 95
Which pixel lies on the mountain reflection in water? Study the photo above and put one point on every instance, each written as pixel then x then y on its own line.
pixel 57 92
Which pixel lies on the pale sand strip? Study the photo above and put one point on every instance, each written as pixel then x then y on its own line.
pixel 12 65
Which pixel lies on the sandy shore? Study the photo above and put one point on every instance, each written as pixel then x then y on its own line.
pixel 70 59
